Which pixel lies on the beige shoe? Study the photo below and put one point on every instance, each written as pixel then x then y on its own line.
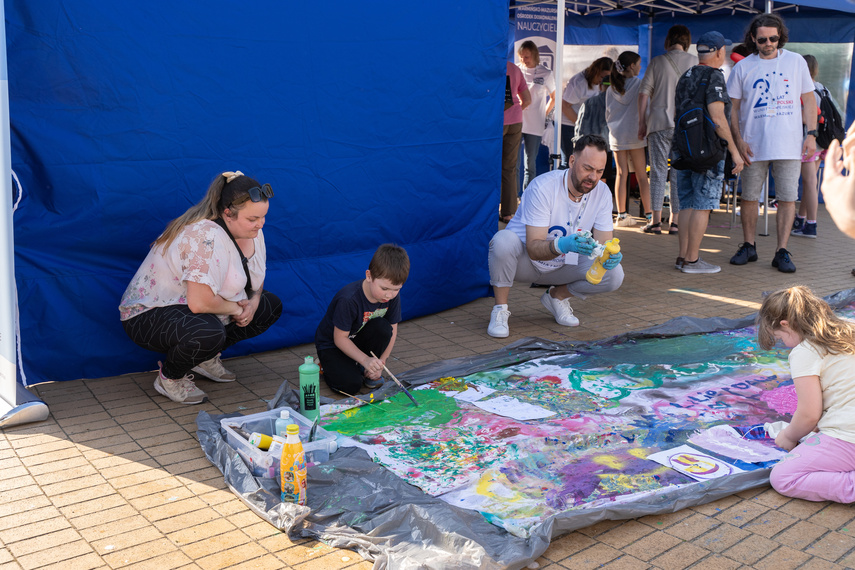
pixel 182 391
pixel 213 369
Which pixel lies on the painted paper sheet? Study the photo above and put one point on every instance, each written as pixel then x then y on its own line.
pixel 613 406
pixel 697 465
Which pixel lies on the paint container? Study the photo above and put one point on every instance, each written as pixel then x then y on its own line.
pixel 597 271
pixel 293 468
pixel 260 440
pixel 310 385
pixel 282 422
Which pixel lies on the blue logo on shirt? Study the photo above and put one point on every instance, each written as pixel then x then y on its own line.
pixel 557 231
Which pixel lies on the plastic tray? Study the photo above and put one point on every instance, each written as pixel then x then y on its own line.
pixel 266 463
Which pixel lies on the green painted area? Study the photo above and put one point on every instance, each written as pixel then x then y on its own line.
pixel 433 410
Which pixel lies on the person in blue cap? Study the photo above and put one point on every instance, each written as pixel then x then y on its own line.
pixel 699 192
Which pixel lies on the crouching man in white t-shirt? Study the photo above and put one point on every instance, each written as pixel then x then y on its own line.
pixel 541 244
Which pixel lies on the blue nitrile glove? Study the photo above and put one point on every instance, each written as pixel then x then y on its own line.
pixel 612 261
pixel 577 243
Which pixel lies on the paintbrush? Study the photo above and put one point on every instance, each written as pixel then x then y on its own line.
pixel 398 382
pixel 360 400
pixel 314 429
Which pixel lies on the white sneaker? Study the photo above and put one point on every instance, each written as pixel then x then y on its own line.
pixel 560 309
pixel 498 327
pixel 625 222
pixel 182 391
pixel 214 370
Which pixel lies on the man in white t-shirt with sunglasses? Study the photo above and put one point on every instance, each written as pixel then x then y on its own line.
pixel 769 90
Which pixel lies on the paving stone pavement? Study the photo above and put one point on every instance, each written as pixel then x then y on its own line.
pixel 115 477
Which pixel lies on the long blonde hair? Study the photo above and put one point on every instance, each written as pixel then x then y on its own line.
pixel 808 316
pixel 211 206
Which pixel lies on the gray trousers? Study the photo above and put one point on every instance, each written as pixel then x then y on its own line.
pixel 659 148
pixel 508 262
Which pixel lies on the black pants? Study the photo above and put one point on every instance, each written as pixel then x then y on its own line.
pixel 188 338
pixel 342 373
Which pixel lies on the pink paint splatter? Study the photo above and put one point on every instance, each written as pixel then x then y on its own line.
pixel 782 399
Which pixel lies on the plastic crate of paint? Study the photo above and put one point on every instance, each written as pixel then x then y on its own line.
pixel 266 463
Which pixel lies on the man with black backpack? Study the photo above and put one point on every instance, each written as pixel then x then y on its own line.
pixel 701 134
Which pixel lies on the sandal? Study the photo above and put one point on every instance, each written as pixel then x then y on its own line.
pixel 652 228
pixel 672 229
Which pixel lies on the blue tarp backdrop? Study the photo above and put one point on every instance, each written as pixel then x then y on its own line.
pixel 373 123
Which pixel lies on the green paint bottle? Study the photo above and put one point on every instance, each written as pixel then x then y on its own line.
pixel 310 385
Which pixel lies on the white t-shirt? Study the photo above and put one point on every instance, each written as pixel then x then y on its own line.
pixel 541 84
pixel 201 253
pixel 547 204
pixel 576 93
pixel 770 114
pixel 837 378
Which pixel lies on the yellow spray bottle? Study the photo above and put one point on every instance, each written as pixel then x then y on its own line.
pixel 596 272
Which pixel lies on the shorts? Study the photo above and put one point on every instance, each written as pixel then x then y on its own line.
pixel 785 172
pixel 700 190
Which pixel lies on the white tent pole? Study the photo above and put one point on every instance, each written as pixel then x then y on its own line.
pixel 557 113
pixel 649 38
pixel 17 404
pixel 767 187
pixel 7 255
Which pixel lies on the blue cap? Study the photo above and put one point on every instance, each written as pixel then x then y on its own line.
pixel 712 41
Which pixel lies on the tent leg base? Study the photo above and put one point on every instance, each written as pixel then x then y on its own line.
pixel 31 409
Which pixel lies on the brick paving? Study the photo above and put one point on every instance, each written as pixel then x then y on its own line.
pixel 115 477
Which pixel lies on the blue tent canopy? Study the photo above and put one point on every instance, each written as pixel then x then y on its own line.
pixel 373 124
pixel 378 122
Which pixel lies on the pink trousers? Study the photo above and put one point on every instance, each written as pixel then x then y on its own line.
pixel 821 468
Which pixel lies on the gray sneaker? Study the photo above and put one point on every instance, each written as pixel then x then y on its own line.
pixel 699 266
pixel 182 391
pixel 213 369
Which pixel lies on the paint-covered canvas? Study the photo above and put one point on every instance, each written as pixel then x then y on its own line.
pixel 610 407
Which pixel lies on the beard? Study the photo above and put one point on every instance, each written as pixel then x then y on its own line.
pixel 581 186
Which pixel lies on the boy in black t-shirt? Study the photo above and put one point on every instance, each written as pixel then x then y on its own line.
pixel 362 318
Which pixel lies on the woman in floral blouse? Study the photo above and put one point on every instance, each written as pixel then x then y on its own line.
pixel 200 289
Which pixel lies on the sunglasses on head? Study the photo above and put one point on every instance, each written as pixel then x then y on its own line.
pixel 771 40
pixel 255 193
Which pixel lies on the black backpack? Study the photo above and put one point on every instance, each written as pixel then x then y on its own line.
pixel 829 125
pixel 696 146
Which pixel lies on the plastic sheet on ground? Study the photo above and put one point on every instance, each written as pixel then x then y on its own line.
pixel 358 504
